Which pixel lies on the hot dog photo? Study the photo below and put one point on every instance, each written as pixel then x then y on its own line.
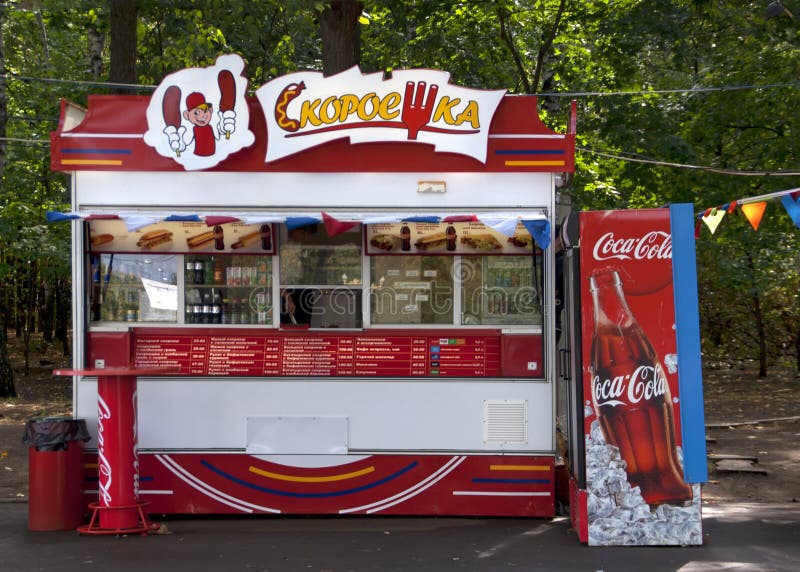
pixel 110 235
pixel 443 238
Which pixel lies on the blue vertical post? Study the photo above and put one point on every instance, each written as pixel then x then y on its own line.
pixel 687 325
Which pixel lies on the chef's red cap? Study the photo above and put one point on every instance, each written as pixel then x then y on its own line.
pixel 196 99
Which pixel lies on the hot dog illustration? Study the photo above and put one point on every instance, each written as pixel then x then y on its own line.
pixel 227 101
pixel 171 110
pixel 289 92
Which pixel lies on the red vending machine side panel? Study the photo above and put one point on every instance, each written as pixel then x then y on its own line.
pixel 636 490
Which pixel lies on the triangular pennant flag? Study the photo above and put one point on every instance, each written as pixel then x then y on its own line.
pixel 460 218
pixel 214 220
pixel 335 227
pixel 261 218
pixel 540 231
pixel 505 226
pixel 55 216
pixel 421 218
pixel 697 228
pixel 183 218
pixel 295 222
pixel 732 206
pixel 754 212
pixel 135 222
pixel 713 219
pixel 793 208
pixel 102 217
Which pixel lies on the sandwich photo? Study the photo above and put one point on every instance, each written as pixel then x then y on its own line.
pixel 521 241
pixel 101 239
pixel 199 240
pixel 432 242
pixel 482 242
pixel 385 242
pixel 154 238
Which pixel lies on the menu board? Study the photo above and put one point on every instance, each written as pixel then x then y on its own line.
pixel 444 238
pixel 111 235
pixel 289 354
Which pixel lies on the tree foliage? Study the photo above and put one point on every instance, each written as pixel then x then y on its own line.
pixel 705 83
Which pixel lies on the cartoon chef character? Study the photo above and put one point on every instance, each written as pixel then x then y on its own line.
pixel 199 113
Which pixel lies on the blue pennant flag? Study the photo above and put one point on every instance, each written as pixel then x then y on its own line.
pixel 421 219
pixel 183 218
pixel 540 231
pixel 55 216
pixel 295 222
pixel 792 207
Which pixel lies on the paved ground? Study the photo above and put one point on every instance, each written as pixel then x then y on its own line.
pixel 737 537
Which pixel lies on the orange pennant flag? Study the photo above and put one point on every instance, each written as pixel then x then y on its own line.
pixel 754 212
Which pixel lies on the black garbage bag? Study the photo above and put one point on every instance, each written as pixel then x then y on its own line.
pixel 53 433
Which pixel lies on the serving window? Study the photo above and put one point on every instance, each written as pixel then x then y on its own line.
pixel 411 290
pixel 320 277
pixel 383 275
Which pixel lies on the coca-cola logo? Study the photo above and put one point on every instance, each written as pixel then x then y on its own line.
pixel 654 245
pixel 646 382
pixel 104 472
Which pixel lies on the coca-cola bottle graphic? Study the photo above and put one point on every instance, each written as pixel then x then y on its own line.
pixel 631 396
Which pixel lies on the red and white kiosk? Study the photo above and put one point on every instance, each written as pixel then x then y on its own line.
pixel 347 280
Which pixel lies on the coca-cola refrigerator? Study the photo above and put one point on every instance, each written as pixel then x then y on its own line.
pixel 631 367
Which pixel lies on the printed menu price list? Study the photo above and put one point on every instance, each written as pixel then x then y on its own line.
pixel 324 356
pixel 465 356
pixel 393 356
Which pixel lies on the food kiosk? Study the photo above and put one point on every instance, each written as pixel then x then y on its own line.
pixel 348 279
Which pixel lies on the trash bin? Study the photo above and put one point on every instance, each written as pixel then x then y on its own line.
pixel 55 472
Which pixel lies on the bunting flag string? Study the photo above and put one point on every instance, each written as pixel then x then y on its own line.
pixel 504 222
pixel 753 209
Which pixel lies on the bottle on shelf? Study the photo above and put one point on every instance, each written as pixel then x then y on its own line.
pixel 199 271
pixel 236 312
pixel 245 310
pixel 216 306
pixel 189 270
pixel 208 276
pixel 219 270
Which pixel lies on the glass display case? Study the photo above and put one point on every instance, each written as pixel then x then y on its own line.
pixel 133 288
pixel 500 290
pixel 224 289
pixel 411 289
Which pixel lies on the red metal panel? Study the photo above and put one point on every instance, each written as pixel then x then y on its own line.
pixel 518 141
pixel 457 485
pixel 115 349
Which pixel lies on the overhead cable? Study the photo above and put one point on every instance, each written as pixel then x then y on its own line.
pixel 773 173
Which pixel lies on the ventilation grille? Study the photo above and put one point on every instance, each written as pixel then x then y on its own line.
pixel 506 421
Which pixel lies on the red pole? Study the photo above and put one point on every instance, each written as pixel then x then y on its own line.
pixel 118 459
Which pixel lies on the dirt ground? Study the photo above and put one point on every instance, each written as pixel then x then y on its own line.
pixel 746 417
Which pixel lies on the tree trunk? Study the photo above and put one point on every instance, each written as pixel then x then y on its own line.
pixel 761 335
pixel 46 307
pixel 7 388
pixel 63 311
pixel 123 43
pixel 341 35
pixel 797 350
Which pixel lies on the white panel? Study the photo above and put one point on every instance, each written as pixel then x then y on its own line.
pixel 318 191
pixel 297 435
pixel 383 415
